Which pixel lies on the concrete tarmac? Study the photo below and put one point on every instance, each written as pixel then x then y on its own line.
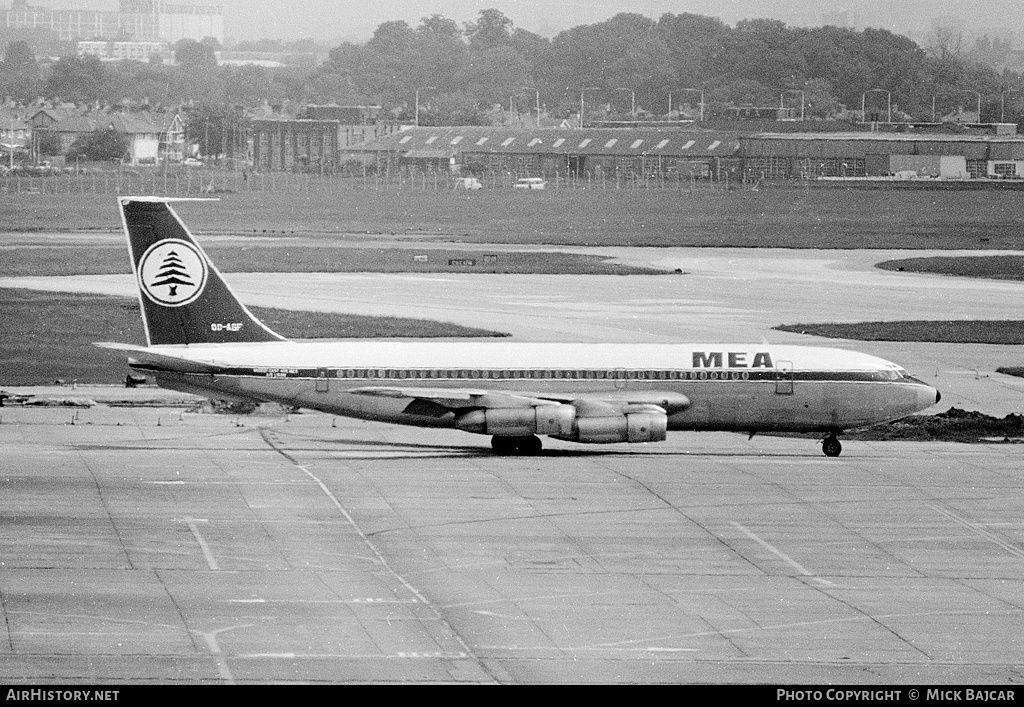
pixel 152 544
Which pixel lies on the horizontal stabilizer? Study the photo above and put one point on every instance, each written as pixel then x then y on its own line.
pixel 148 358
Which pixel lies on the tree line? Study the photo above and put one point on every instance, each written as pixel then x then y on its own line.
pixel 626 66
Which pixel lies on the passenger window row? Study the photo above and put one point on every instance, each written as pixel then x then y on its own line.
pixel 547 373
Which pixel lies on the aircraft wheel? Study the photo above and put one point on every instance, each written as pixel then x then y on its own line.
pixel 516 445
pixel 831 446
pixel 503 445
pixel 529 445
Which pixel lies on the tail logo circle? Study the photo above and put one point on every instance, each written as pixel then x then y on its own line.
pixel 172 273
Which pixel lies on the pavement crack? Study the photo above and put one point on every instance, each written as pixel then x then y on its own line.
pixel 106 509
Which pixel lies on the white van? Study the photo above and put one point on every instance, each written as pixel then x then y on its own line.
pixel 470 183
pixel 530 183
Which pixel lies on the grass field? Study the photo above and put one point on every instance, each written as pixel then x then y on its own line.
pixel 49 336
pixel 773 216
pixel 986 331
pixel 996 267
pixel 110 260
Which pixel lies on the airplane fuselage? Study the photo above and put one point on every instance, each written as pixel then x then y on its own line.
pixel 744 388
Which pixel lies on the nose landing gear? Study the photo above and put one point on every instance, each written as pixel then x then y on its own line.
pixel 831 446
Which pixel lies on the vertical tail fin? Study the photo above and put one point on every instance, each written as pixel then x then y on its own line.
pixel 184 298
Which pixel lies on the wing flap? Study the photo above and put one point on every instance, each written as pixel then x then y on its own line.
pixel 435 402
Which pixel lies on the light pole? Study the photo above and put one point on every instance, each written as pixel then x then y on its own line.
pixel 863 98
pixel 537 91
pixel 12 145
pixel 1002 104
pixel 632 101
pixel 698 90
pixel 587 88
pixel 416 120
pixel 793 90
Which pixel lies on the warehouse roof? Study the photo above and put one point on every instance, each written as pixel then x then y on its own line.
pixel 886 137
pixel 624 142
pixel 860 145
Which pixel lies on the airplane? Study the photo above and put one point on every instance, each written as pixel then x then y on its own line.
pixel 202 339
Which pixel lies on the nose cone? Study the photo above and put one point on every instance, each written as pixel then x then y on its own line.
pixel 927 396
pixel 924 395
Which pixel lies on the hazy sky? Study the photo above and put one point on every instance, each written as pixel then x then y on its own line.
pixel 356 19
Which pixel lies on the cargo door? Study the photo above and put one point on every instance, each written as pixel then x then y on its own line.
pixel 322 381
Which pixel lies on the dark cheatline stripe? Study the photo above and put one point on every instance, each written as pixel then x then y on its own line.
pixel 567 375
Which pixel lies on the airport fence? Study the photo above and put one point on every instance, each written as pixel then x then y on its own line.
pixel 212 181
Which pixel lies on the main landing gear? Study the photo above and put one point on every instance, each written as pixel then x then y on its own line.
pixel 831 446
pixel 516 445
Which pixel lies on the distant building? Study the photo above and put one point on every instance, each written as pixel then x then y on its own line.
pixel 864 155
pixel 139 20
pixel 15 134
pixel 348 115
pixel 321 138
pixel 357 125
pixel 152 138
pixel 294 144
pixel 269 60
pixel 131 50
pixel 600 153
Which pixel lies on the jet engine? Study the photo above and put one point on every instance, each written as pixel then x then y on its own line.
pixel 552 420
pixel 636 423
pixel 581 422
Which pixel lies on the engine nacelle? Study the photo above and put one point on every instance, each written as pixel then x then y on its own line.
pixel 552 420
pixel 629 423
pixel 630 427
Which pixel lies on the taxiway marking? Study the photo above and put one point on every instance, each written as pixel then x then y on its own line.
pixel 207 553
pixel 780 554
pixel 978 530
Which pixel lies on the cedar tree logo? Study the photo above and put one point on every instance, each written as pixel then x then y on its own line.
pixel 172 273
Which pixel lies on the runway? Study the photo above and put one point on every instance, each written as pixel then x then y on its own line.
pixel 154 544
pixel 158 545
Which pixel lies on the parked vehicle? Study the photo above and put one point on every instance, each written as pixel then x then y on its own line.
pixel 530 183
pixel 469 183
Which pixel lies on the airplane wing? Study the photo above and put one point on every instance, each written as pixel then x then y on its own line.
pixel 436 402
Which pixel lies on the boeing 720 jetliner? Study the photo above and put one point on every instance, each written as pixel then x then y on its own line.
pixel 202 339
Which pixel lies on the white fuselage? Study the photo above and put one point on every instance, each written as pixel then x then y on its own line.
pixel 744 388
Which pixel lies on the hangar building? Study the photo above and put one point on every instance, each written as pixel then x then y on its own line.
pixel 813 155
pixel 627 152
